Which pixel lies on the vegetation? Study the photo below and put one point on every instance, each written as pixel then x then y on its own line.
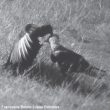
pixel 84 27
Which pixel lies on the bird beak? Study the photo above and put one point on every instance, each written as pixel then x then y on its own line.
pixel 47 40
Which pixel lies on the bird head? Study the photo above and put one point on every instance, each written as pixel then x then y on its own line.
pixel 54 41
pixel 41 31
pixel 46 29
pixel 53 38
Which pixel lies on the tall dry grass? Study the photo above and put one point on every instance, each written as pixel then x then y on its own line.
pixel 83 25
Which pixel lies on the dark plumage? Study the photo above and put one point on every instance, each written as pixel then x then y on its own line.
pixel 26 47
pixel 70 61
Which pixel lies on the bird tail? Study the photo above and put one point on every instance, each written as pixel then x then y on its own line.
pixel 95 72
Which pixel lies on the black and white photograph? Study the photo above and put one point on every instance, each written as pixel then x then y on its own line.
pixel 54 54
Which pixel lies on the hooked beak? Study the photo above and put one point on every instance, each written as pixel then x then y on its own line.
pixel 47 40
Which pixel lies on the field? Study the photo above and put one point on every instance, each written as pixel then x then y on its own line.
pixel 84 27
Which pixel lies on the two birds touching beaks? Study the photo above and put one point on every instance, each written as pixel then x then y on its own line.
pixel 27 47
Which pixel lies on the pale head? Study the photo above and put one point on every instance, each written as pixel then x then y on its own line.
pixel 54 41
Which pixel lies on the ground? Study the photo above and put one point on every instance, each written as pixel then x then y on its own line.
pixel 84 27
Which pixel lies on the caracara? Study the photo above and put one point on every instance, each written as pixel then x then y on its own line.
pixel 26 47
pixel 69 61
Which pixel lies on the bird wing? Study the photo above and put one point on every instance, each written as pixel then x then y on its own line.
pixel 14 56
pixel 53 58
pixel 24 43
pixel 65 54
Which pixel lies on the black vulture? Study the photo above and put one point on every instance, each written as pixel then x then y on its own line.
pixel 69 61
pixel 26 47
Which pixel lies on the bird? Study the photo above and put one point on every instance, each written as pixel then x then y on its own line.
pixel 69 61
pixel 26 47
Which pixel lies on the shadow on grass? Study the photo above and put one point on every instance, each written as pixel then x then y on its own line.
pixel 78 82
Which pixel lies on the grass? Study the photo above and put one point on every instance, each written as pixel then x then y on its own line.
pixel 84 27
